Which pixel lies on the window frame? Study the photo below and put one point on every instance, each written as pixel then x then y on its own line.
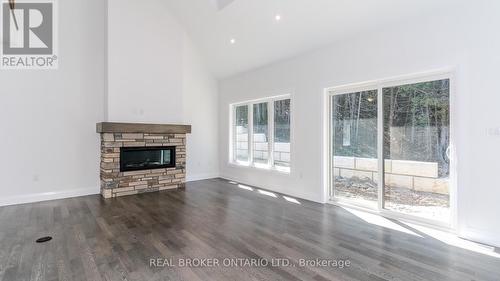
pixel 270 166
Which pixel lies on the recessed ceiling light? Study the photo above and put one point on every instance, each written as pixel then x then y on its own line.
pixel 277 17
pixel 232 41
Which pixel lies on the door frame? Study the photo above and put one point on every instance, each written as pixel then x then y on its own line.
pixel 379 84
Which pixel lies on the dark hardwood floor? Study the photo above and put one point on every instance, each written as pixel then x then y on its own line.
pixel 96 239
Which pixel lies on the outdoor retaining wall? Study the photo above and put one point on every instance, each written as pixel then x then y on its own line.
pixel 261 147
pixel 416 175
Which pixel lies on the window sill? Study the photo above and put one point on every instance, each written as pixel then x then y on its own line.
pixel 280 170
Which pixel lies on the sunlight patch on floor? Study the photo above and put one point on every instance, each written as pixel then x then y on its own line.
pixel 426 233
pixel 291 200
pixel 380 221
pixel 264 192
pixel 455 241
pixel 246 187
pixel 268 193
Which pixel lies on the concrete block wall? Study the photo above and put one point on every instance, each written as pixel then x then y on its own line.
pixel 416 175
pixel 261 147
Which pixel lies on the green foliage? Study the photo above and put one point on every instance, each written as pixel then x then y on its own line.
pixel 416 123
pixel 241 116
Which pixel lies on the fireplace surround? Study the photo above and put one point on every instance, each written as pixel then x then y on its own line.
pixel 138 158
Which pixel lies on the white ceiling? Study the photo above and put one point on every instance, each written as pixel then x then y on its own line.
pixel 221 4
pixel 305 25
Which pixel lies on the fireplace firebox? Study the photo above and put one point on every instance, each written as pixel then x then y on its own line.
pixel 146 158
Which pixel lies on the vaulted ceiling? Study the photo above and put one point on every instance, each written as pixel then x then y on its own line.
pixel 260 39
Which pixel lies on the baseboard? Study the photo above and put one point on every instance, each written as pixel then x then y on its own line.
pixel 200 177
pixel 46 196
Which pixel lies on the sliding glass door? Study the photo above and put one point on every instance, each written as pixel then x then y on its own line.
pixel 354 147
pixel 390 147
pixel 416 149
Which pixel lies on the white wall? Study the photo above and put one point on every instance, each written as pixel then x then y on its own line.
pixel 144 62
pixel 465 39
pixel 48 142
pixel 49 145
pixel 155 75
pixel 200 104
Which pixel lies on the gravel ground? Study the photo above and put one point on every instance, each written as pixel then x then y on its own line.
pixel 427 204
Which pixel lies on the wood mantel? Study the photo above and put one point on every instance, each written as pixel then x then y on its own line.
pixel 111 127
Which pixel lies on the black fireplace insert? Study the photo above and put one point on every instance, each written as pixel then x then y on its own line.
pixel 146 158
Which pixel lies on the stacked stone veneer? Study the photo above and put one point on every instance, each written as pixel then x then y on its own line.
pixel 115 183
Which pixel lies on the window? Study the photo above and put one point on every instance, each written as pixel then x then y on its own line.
pixel 282 133
pixel 241 133
pixel 260 134
pixel 354 133
pixel 267 144
pixel 390 147
pixel 416 143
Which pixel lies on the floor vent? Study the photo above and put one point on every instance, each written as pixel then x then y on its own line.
pixel 43 239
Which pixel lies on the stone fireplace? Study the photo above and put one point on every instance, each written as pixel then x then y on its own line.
pixel 138 158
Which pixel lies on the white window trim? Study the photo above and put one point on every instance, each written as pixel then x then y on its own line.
pixel 232 136
pixel 446 73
